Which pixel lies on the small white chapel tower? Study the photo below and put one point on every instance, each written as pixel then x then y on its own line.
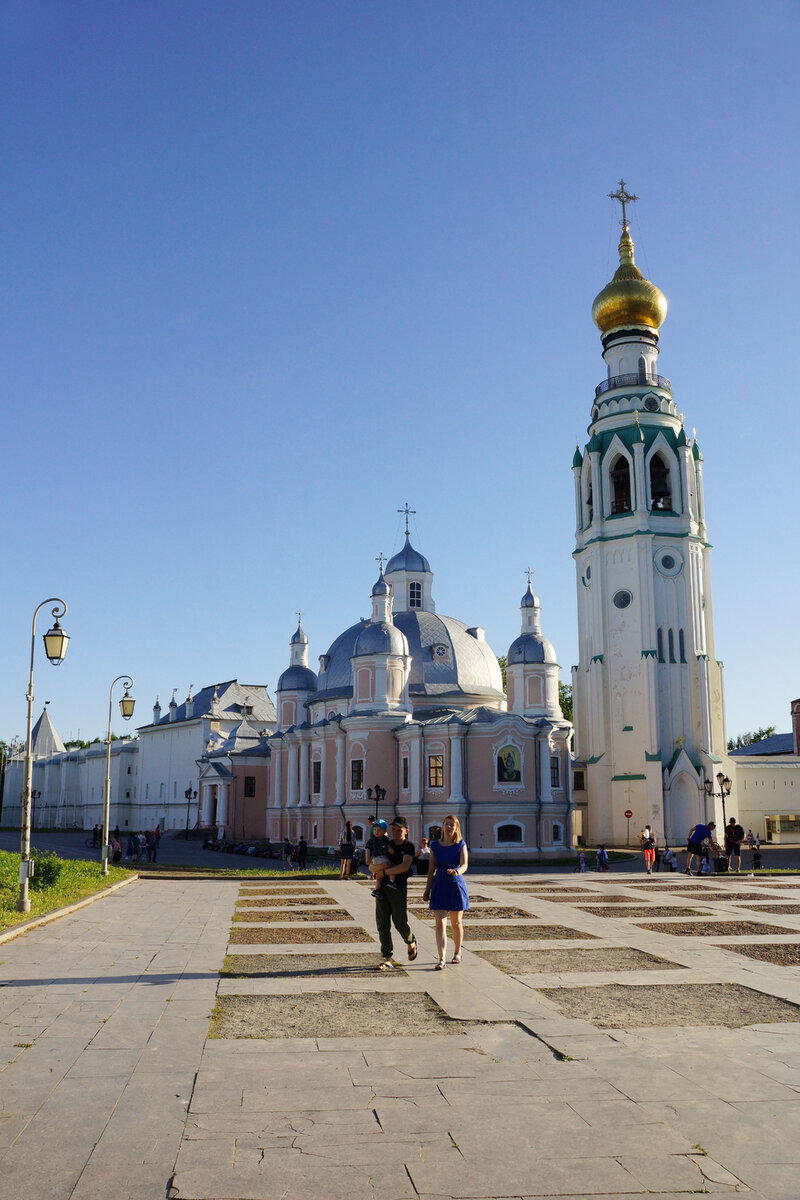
pixel 648 691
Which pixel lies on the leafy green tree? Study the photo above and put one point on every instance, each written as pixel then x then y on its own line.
pixel 748 739
pixel 503 661
pixel 565 700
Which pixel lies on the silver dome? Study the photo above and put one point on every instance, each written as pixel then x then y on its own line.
pixel 297 679
pixel 299 637
pixel 467 670
pixel 380 638
pixel 531 648
pixel 529 600
pixel 408 559
pixel 381 587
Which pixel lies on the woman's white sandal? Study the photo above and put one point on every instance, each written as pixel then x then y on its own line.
pixel 440 965
pixel 456 958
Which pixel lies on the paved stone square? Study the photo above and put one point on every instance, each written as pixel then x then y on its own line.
pixel 112 1083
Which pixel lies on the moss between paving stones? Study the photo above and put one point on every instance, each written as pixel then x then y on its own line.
pixel 716 928
pixel 547 891
pixel 300 966
pixel 773 908
pixel 579 958
pixel 268 936
pixel 619 1005
pixel 489 913
pixel 283 901
pixel 787 954
pixel 329 1015
pixel 302 914
pixel 652 910
pixel 525 933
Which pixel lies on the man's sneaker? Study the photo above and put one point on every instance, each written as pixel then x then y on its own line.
pixel 686 871
pixel 390 883
pixel 412 950
pixel 386 965
pixel 375 892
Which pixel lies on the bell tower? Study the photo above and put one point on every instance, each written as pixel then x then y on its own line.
pixel 648 690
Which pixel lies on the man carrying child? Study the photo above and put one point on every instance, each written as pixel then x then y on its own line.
pixel 390 860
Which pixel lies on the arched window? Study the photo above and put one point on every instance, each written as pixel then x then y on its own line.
pixel 415 595
pixel 681 646
pixel 671 641
pixel 556 833
pixel 660 491
pixel 589 498
pixel 660 643
pixel 642 369
pixel 620 485
pixel 509 833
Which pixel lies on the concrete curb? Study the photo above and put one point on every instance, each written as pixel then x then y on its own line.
pixel 16 930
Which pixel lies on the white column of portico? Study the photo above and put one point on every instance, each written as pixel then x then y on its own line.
pixel 207 801
pixel 340 754
pixel 277 778
pixel 456 767
pixel 222 804
pixel 291 777
pixel 303 749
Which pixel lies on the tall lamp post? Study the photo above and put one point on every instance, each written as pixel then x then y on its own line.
pixel 725 786
pixel 126 706
pixel 55 647
pixel 380 794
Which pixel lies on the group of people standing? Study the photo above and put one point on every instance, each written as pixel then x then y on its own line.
pixel 390 858
pixel 703 846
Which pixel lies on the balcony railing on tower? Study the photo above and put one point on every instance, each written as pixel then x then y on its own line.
pixel 635 379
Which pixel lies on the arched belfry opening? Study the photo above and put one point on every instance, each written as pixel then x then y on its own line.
pixel 620 476
pixel 660 488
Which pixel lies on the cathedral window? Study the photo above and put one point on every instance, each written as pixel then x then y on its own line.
pixel 435 770
pixel 620 485
pixel 415 595
pixel 316 777
pixel 660 643
pixel 405 772
pixel 357 775
pixel 589 515
pixel 579 781
pixel 509 833
pixel 671 642
pixel 681 646
pixel 660 490
pixel 249 786
pixel 556 833
pixel 555 771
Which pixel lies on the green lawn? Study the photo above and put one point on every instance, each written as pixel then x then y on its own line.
pixel 76 880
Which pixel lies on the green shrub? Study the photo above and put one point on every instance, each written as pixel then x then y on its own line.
pixel 47 870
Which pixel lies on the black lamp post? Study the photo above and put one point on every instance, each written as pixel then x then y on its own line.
pixel 190 796
pixel 725 786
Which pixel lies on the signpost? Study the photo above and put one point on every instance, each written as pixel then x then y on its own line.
pixel 628 815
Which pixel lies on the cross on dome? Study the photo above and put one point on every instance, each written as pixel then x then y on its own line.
pixel 408 513
pixel 624 198
pixel 381 559
pixel 528 571
pixel 299 616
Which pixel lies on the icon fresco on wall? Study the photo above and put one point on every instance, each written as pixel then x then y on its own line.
pixel 509 765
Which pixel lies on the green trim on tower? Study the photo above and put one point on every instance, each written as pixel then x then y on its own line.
pixel 648 654
pixel 652 757
pixel 625 778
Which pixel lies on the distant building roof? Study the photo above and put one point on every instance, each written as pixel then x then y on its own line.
pixel 235 700
pixel 779 743
pixel 44 739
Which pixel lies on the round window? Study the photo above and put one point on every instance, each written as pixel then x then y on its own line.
pixel 622 598
pixel 651 404
pixel 668 562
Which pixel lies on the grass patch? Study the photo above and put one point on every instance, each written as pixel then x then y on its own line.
pixel 76 880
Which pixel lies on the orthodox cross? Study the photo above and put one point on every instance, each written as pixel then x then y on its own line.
pixel 408 512
pixel 299 616
pixel 380 559
pixel 528 571
pixel 624 198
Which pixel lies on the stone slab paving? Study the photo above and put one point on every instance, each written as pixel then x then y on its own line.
pixel 110 1084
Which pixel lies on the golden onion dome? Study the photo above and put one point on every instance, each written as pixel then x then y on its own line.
pixel 629 299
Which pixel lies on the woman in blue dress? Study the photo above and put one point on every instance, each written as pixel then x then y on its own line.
pixel 446 889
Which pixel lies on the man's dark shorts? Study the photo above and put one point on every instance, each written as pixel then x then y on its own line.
pixel 695 847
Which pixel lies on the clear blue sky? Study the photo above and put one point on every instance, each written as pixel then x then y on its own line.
pixel 272 269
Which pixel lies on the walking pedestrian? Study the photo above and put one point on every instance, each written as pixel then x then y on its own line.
pixel 734 836
pixel 750 838
pixel 391 906
pixel 302 851
pixel 347 847
pixel 446 889
pixel 649 848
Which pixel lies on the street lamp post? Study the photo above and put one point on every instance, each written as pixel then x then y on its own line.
pixel 55 647
pixel 190 796
pixel 725 786
pixel 126 706
pixel 380 794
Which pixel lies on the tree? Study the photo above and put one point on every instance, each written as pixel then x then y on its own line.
pixel 748 739
pixel 565 700
pixel 503 663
